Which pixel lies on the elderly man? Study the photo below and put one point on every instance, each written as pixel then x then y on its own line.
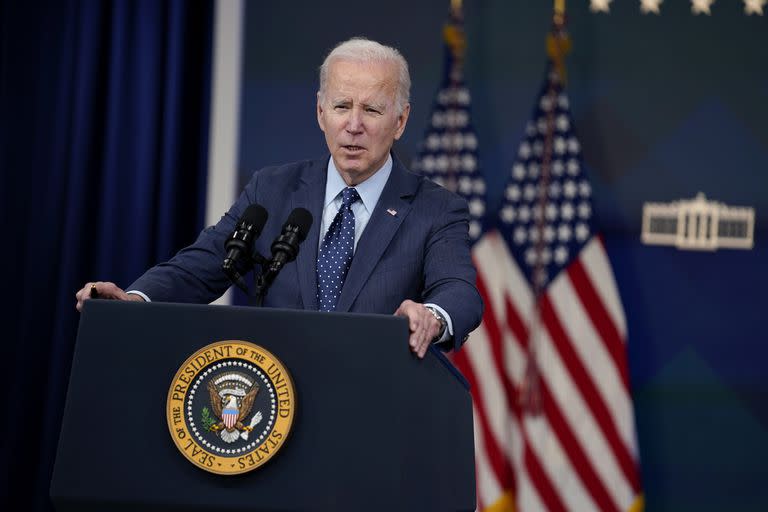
pixel 384 240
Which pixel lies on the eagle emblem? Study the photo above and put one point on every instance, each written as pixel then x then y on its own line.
pixel 230 407
pixel 232 396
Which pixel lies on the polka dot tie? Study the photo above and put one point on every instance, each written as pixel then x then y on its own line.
pixel 336 252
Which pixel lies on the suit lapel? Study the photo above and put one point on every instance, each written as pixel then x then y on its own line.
pixel 310 194
pixel 381 228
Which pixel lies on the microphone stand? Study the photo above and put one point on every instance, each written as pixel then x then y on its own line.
pixel 261 281
pixel 284 250
pixel 259 285
pixel 259 290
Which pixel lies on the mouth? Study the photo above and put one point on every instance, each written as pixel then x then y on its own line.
pixel 351 148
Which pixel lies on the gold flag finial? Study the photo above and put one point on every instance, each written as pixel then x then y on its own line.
pixel 453 32
pixel 559 9
pixel 558 41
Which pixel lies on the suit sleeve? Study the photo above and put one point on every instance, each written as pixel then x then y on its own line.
pixel 449 274
pixel 194 274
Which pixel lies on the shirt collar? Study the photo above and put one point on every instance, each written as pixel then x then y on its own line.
pixel 370 190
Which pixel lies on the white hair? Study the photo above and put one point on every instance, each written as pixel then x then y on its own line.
pixel 360 49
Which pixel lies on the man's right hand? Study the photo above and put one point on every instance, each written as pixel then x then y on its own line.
pixel 103 290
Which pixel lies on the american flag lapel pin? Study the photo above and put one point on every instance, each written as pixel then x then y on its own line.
pixel 392 212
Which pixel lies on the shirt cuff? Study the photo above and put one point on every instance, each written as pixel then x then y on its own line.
pixel 141 294
pixel 448 334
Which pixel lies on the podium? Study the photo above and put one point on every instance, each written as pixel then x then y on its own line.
pixel 375 428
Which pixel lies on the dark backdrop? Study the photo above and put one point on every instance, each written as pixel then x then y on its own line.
pixel 103 157
pixel 665 106
pixel 103 131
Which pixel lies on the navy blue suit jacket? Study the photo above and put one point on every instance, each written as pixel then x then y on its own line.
pixel 421 252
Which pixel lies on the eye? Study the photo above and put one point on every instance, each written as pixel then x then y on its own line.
pixel 341 107
pixel 372 110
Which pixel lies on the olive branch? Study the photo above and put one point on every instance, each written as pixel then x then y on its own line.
pixel 207 419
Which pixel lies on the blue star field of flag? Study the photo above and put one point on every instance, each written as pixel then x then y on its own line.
pixel 546 213
pixel 448 154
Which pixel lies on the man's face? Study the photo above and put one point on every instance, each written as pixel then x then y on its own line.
pixel 359 116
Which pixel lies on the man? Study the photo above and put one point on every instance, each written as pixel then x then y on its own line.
pixel 408 236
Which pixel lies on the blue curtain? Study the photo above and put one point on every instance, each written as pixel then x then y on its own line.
pixel 103 152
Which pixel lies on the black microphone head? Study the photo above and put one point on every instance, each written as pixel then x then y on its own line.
pixel 302 220
pixel 256 215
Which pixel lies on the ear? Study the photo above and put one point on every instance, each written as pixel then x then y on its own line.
pixel 402 120
pixel 320 112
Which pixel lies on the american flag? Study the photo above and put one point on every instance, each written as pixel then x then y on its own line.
pixel 554 424
pixel 448 153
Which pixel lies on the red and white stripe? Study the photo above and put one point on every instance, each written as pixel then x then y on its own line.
pixel 579 453
pixel 230 417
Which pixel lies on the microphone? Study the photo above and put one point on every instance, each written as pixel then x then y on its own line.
pixel 239 245
pixel 286 246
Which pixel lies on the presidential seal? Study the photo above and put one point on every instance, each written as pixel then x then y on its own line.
pixel 230 407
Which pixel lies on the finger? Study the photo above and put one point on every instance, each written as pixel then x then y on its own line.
pixel 416 333
pixel 420 339
pixel 434 328
pixel 109 290
pixel 423 350
pixel 413 320
pixel 100 290
pixel 416 345
pixel 420 325
pixel 429 332
pixel 82 295
pixel 113 291
pixel 415 324
pixel 404 308
pixel 413 341
pixel 82 292
pixel 426 338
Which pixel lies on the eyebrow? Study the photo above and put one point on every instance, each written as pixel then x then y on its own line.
pixel 376 106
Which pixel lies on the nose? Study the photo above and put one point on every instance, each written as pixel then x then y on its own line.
pixel 355 121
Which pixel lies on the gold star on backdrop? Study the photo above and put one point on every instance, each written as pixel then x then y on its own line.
pixel 647 6
pixel 701 6
pixel 754 7
pixel 599 5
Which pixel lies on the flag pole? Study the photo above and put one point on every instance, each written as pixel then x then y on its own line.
pixel 558 45
pixel 559 8
pixel 456 42
pixel 455 38
pixel 558 40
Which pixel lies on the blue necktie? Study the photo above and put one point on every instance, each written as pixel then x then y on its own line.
pixel 336 253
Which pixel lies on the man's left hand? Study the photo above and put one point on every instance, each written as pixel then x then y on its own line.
pixel 422 324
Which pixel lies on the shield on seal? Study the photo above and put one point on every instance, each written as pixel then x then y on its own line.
pixel 229 417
